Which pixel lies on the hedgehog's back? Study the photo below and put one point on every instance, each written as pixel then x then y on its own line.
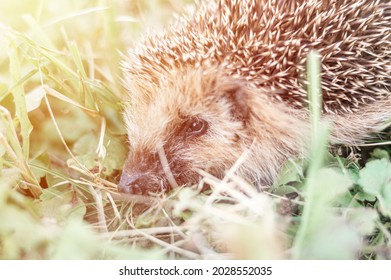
pixel 266 42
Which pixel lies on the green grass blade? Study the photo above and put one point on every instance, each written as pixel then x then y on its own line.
pixel 318 144
pixel 20 101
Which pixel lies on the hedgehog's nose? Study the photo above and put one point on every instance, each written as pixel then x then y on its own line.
pixel 135 184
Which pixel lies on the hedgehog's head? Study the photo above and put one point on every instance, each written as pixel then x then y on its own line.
pixel 201 120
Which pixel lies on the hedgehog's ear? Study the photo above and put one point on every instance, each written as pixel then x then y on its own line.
pixel 238 96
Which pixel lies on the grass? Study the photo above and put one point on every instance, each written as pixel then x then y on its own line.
pixel 62 146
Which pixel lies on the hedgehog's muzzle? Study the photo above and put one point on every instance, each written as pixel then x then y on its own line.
pixel 141 184
pixel 143 174
pixel 132 184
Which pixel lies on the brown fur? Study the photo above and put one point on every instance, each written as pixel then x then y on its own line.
pixel 180 78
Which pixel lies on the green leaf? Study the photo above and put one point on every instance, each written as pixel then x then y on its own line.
pixel 283 190
pixel 85 151
pixel 291 171
pixel 375 179
pixel 346 200
pixel 76 241
pixel 362 196
pixel 363 220
pixel 17 228
pixel 61 205
pixel 331 184
pixel 374 176
pixel 380 154
pixel 334 240
pixel 43 162
pixel 34 98
pixel 8 178
pixel 67 124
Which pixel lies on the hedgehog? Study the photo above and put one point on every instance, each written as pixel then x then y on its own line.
pixel 229 76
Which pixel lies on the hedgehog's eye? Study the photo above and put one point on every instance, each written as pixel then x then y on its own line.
pixel 196 127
